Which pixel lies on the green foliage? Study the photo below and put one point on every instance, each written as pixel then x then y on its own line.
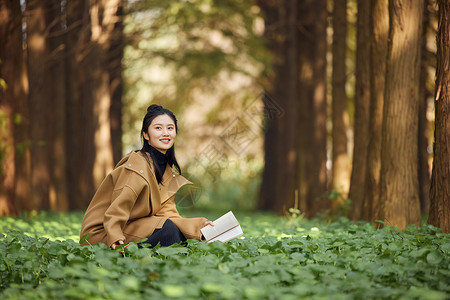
pixel 182 53
pixel 200 38
pixel 222 187
pixel 277 259
pixel 343 206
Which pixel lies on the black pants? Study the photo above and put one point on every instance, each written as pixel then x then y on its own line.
pixel 167 235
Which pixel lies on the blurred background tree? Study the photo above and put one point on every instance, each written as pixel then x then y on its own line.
pixel 60 102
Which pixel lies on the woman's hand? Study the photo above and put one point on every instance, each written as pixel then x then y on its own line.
pixel 115 244
pixel 208 222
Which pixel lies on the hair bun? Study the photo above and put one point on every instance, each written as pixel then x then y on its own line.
pixel 154 107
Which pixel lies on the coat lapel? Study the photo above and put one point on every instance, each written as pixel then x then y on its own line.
pixel 171 183
pixel 160 193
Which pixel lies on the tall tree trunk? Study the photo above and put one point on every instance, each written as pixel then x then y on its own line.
pixel 10 66
pixel 56 67
pixel 103 19
pixel 440 188
pixel 268 192
pixel 90 24
pixel 22 136
pixel 379 44
pixel 79 150
pixel 116 84
pixel 399 181
pixel 38 98
pixel 311 166
pixel 340 172
pixel 280 172
pixel 362 103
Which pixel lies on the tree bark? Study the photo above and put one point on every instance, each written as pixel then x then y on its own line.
pixel 91 26
pixel 103 19
pixel 58 197
pixel 362 103
pixel 311 166
pixel 22 138
pixel 39 103
pixel 399 181
pixel 268 190
pixel 10 66
pixel 340 172
pixel 79 107
pixel 440 188
pixel 379 41
pixel 116 84
pixel 277 189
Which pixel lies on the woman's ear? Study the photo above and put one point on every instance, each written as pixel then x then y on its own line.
pixel 145 135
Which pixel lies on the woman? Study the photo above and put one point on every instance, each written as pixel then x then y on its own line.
pixel 136 200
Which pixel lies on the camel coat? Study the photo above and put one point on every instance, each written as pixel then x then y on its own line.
pixel 130 204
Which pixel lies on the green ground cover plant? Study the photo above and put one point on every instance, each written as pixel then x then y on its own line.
pixel 278 258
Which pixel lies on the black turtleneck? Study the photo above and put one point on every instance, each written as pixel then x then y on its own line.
pixel 160 159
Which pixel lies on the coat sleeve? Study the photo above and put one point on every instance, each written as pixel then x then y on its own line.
pixel 118 213
pixel 190 227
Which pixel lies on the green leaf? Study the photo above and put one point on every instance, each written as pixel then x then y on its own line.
pixel 210 287
pixel 426 294
pixel 84 238
pixel 253 292
pixel 173 291
pixel 445 248
pixel 263 251
pixel 419 253
pixel 169 251
pixel 434 258
pixel 130 282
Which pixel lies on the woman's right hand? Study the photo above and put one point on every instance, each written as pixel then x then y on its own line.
pixel 115 244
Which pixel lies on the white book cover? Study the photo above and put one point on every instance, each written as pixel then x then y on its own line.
pixel 225 228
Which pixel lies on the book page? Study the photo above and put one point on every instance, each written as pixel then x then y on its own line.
pixel 230 234
pixel 221 225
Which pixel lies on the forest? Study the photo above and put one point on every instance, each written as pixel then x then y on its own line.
pixel 324 124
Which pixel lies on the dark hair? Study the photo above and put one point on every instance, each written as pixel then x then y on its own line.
pixel 152 112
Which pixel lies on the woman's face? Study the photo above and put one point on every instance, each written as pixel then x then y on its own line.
pixel 161 133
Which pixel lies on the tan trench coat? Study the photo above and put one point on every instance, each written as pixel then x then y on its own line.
pixel 130 204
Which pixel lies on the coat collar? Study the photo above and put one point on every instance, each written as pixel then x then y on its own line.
pixel 171 181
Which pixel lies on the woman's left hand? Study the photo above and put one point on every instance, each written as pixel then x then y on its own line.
pixel 208 222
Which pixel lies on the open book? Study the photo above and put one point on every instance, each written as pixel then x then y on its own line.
pixel 225 228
